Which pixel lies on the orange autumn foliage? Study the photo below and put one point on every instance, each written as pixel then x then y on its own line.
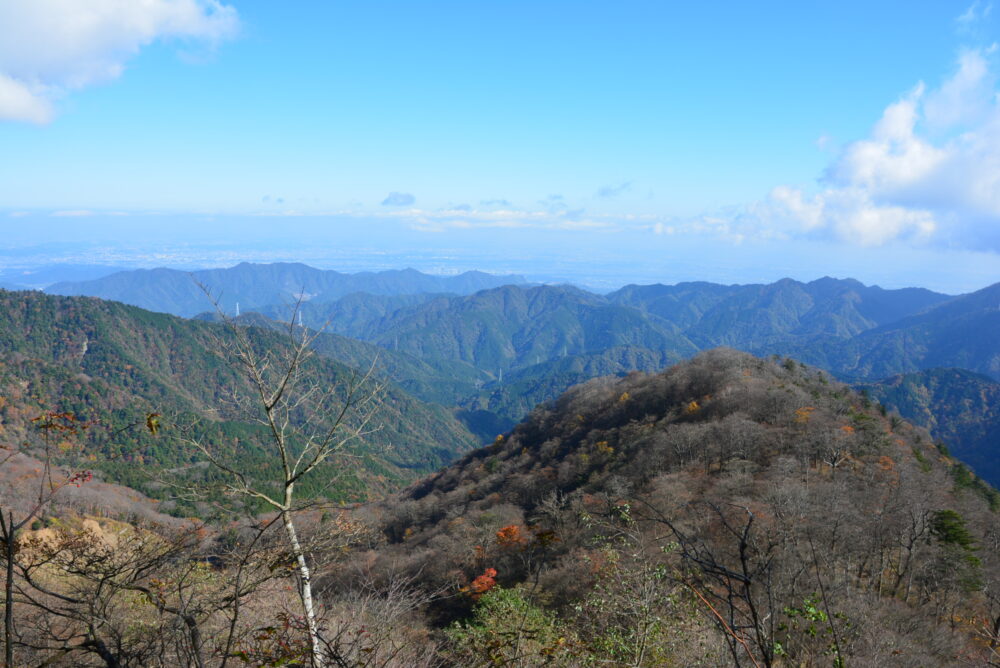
pixel 511 536
pixel 482 584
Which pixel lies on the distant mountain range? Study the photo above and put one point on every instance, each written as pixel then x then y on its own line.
pixel 758 315
pixel 496 350
pixel 523 332
pixel 514 326
pixel 257 285
pixel 535 342
pixel 38 277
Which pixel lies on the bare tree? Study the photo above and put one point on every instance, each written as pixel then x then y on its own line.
pixel 305 426
pixel 140 595
pixel 732 578
pixel 50 479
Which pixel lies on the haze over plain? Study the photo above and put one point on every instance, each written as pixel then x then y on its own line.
pixel 603 144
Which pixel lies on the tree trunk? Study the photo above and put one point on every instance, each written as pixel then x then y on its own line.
pixel 196 642
pixel 97 646
pixel 305 590
pixel 8 592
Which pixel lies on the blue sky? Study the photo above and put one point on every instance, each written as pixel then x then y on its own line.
pixel 840 138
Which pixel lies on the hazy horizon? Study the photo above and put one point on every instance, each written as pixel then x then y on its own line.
pixel 40 267
pixel 600 145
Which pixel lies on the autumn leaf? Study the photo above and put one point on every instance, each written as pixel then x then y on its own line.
pixel 153 423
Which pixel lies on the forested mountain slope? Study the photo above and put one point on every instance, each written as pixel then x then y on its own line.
pixel 756 317
pixel 497 353
pixel 727 511
pixel 516 326
pixel 842 325
pixel 959 333
pixel 960 408
pixel 523 389
pixel 545 339
pixel 115 364
pixel 440 381
pixel 512 327
pixel 359 315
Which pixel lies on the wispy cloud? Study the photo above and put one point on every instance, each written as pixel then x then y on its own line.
pixel 475 219
pixel 976 12
pixel 399 199
pixel 611 191
pixel 51 47
pixel 75 213
pixel 554 204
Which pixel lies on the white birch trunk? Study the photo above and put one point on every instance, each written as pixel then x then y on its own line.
pixel 305 590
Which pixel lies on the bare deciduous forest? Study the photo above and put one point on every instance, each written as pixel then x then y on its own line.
pixel 730 510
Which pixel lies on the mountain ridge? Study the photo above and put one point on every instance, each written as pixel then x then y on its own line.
pixel 724 487
pixel 181 293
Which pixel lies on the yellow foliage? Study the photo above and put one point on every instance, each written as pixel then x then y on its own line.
pixel 803 414
pixel 692 407
pixel 625 397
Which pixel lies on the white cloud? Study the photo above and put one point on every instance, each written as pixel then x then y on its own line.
pixel 929 170
pixel 849 214
pixel 50 47
pixel 19 103
pixel 967 97
pixel 893 156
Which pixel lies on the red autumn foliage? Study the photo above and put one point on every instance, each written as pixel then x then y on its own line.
pixel 483 583
pixel 511 536
pixel 80 477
